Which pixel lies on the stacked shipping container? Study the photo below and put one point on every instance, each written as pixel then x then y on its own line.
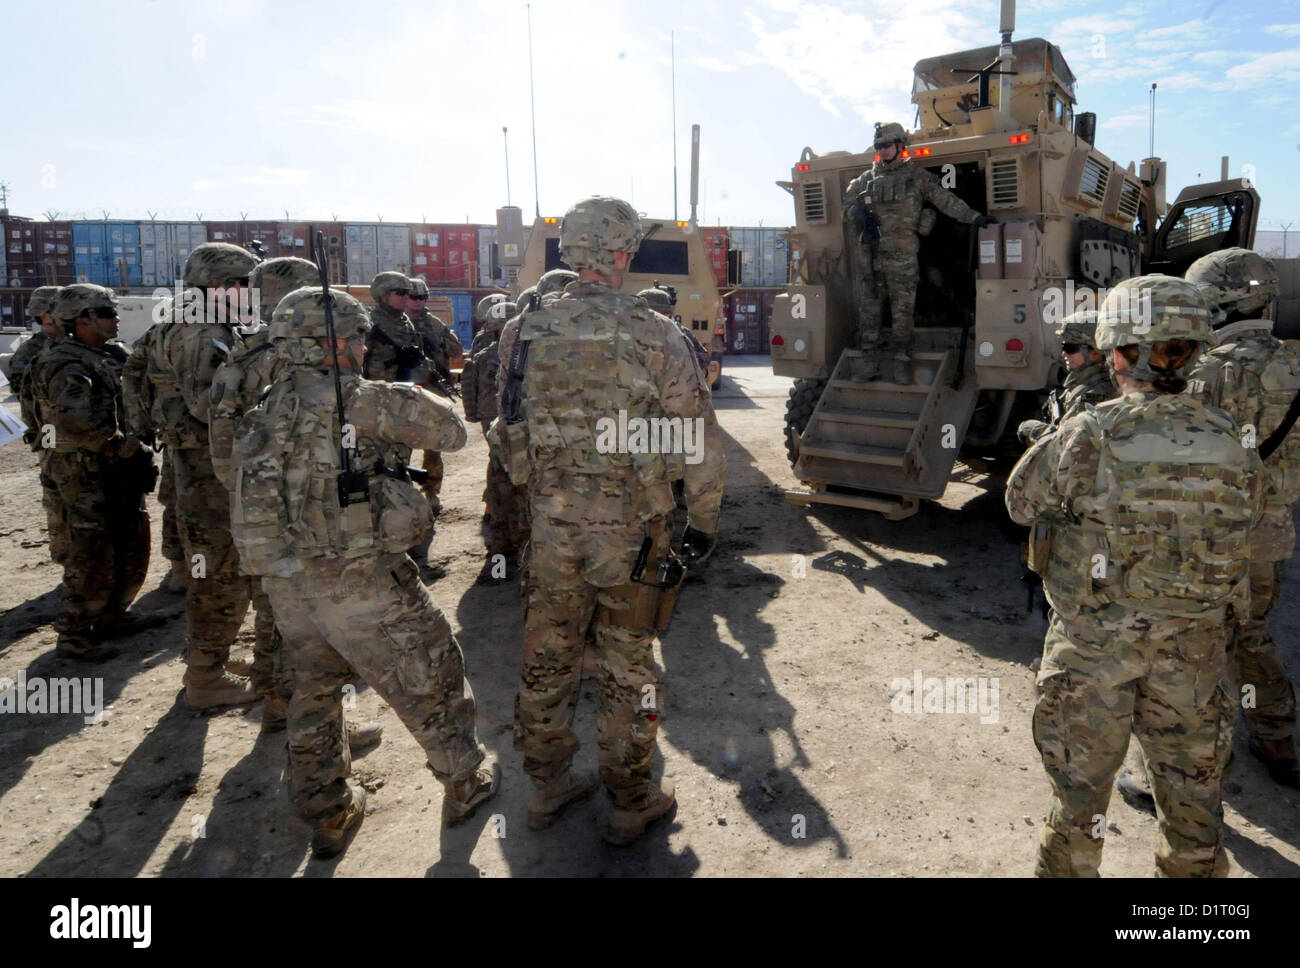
pixel 107 253
pixel 22 253
pixel 371 248
pixel 764 256
pixel 749 311
pixel 164 247
pixel 463 322
pixel 716 244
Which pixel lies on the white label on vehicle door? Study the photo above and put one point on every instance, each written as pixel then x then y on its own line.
pixel 988 251
pixel 1013 250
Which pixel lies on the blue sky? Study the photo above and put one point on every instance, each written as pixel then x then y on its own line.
pixel 333 108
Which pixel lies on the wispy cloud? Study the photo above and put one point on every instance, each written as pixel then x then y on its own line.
pixel 1284 30
pixel 259 176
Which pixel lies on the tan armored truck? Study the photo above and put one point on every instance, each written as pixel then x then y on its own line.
pixel 998 127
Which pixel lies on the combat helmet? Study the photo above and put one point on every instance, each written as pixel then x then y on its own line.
pixel 79 299
pixel 418 286
pixel 42 301
pixel 658 299
pixel 216 264
pixel 387 283
pixel 1152 309
pixel 887 134
pixel 276 278
pixel 554 282
pixel 525 301
pixel 594 229
pixel 1079 327
pixel 1235 281
pixel 483 311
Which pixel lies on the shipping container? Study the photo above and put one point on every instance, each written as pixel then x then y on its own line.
pixel 426 251
pixel 448 255
pixel 243 232
pixel 107 253
pixel 22 258
pixel 764 255
pixel 371 248
pixel 716 245
pixel 164 247
pixel 749 312
pixel 490 272
pixel 53 250
pixel 463 308
pixel 335 235
pixel 13 309
pixel 295 238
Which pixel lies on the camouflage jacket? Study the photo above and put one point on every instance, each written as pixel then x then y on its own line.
pixel 439 342
pixel 149 390
pixel 1086 386
pixel 389 331
pixel 603 372
pixel 19 368
pixel 236 387
pixel 189 353
pixel 478 381
pixel 897 195
pixel 1149 498
pixel 1254 376
pixel 79 393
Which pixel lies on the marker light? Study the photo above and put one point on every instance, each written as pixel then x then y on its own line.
pixel 803 166
pixel 1014 345
pixel 1018 139
pixel 777 340
pixel 920 152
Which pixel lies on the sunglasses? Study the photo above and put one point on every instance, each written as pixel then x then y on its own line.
pixel 237 282
pixel 105 312
pixel 417 298
pixel 1072 347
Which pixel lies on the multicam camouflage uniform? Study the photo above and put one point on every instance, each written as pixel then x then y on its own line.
pixel 1254 377
pixel 393 346
pixel 40 307
pixel 219 595
pixel 595 352
pixel 896 193
pixel 442 348
pixel 662 303
pixel 100 473
pixel 344 592
pixel 1084 385
pixel 506 503
pixel 150 394
pixel 1149 498
pixel 237 385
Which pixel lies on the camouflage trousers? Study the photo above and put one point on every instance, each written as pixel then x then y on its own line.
pixel 1106 674
pixel 1258 663
pixel 562 605
pixel 107 531
pixel 507 510
pixel 56 526
pixel 373 615
pixel 433 486
pixel 271 674
pixel 218 595
pixel 172 548
pixel 895 276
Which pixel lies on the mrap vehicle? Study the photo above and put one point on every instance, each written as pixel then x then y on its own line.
pixel 672 254
pixel 1070 222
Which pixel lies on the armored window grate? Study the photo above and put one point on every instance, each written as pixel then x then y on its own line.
pixel 814 202
pixel 1093 183
pixel 1006 186
pixel 1129 199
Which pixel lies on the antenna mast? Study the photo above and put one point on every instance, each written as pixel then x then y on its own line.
pixel 532 103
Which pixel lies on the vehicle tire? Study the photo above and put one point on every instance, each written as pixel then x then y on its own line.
pixel 798 410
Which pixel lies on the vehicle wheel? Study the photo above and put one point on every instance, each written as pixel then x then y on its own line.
pixel 798 410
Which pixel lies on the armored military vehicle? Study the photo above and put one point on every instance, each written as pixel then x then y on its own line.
pixel 997 126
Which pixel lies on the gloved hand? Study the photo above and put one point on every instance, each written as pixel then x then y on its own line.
pixel 409 355
pixel 122 446
pixel 983 220
pixel 697 546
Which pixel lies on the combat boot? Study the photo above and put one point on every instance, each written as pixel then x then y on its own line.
pixel 83 649
pixel 1280 759
pixel 329 837
pixel 275 713
pixel 363 737
pixel 627 826
pixel 209 688
pixel 902 370
pixel 177 580
pixel 1136 791
pixel 462 797
pixel 124 624
pixel 551 796
pixel 868 369
pixel 239 667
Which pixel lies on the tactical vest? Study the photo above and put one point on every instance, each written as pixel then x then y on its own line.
pixel 104 367
pixel 896 199
pixel 236 389
pixel 583 382
pixel 285 502
pixel 1165 530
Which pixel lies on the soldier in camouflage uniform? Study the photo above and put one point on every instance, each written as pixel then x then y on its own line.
pixel 150 394
pixel 443 351
pixel 101 473
pixel 1255 377
pixel 205 334
pixel 596 509
pixel 506 503
pixel 40 306
pixel 662 302
pixel 1086 382
pixel 1148 499
pixel 345 593
pixel 886 202
pixel 393 350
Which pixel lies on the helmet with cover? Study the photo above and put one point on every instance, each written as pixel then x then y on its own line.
pixel 594 229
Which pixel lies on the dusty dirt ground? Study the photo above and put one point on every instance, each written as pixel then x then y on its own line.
pixel 778 668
